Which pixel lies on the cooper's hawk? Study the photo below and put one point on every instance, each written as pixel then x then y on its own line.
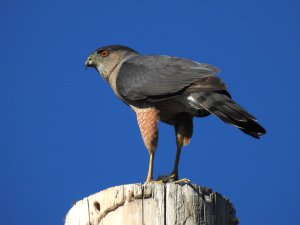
pixel 172 90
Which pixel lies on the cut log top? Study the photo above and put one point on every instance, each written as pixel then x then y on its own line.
pixel 153 204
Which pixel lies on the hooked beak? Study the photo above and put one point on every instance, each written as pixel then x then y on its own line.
pixel 88 63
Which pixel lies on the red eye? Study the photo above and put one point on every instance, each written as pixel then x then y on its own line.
pixel 104 53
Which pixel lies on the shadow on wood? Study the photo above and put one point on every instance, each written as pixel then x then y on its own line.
pixel 153 204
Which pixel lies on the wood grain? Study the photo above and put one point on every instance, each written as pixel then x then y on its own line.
pixel 153 204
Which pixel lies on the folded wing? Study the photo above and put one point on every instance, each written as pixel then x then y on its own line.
pixel 155 78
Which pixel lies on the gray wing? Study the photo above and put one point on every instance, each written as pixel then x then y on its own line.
pixel 159 77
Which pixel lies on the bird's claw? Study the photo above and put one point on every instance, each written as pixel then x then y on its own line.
pixel 166 179
pixel 153 181
pixel 172 178
pixel 183 180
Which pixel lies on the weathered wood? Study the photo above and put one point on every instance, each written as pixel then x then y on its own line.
pixel 153 204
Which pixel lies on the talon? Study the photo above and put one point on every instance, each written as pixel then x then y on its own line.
pixel 163 179
pixel 153 181
pixel 183 180
pixel 148 181
pixel 173 176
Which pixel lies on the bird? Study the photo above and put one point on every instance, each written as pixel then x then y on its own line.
pixel 171 90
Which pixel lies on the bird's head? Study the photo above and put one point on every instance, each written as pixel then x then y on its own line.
pixel 106 59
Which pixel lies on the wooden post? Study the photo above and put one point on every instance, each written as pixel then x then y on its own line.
pixel 153 204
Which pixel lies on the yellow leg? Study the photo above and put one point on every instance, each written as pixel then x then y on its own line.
pixel 150 169
pixel 184 131
pixel 179 141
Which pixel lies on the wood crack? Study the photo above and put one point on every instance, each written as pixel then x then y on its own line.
pixel 110 209
pixel 154 203
pixel 126 199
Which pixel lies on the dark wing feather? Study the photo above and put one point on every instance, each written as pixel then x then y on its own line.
pixel 158 77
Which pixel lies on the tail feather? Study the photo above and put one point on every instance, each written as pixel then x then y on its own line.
pixel 239 108
pixel 226 109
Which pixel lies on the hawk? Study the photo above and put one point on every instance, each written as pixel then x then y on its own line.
pixel 169 89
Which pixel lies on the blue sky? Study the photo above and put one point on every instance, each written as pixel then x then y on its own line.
pixel 64 135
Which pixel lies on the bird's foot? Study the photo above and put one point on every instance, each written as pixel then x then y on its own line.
pixel 165 178
pixel 183 180
pixel 173 177
pixel 150 180
pixel 153 181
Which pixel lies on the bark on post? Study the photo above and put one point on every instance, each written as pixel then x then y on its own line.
pixel 153 204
